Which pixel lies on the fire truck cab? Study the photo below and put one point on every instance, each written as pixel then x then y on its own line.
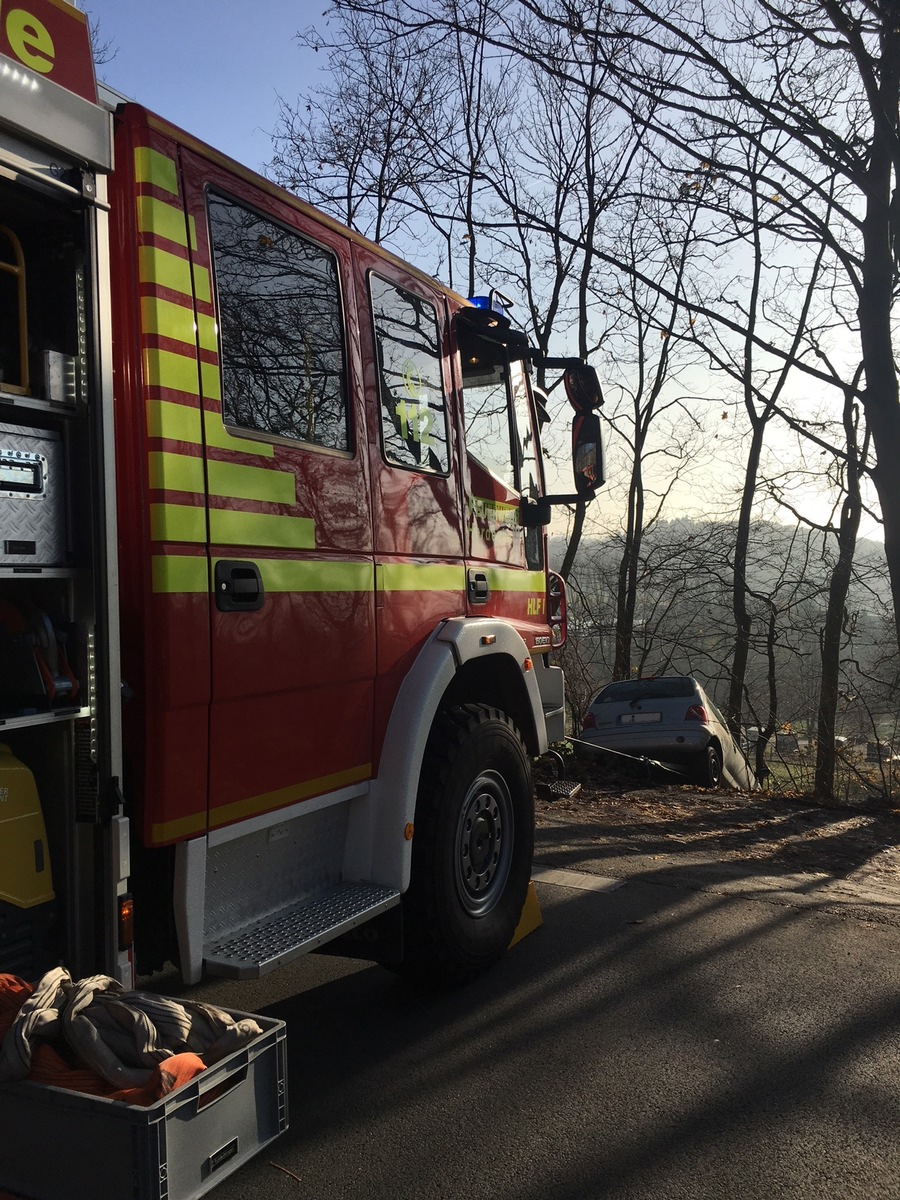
pixel 275 611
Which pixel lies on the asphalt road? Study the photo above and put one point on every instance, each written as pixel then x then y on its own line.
pixel 649 1041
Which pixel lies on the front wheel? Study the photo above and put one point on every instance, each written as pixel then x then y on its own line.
pixel 472 846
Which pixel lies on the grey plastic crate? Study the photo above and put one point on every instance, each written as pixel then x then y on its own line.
pixel 62 1145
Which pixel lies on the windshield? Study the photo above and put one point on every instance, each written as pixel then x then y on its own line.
pixel 646 689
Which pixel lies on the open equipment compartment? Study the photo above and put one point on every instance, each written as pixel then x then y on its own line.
pixel 56 524
pixel 176 1149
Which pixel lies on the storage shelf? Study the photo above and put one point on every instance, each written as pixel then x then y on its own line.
pixel 59 408
pixel 24 572
pixel 44 718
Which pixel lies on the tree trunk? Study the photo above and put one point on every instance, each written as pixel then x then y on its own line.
pixel 848 529
pixel 743 626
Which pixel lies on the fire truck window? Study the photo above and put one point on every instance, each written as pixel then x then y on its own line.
pixel 280 329
pixel 524 444
pixel 528 462
pixel 486 408
pixel 413 405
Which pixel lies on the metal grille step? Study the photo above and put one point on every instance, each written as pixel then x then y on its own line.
pixel 560 789
pixel 258 949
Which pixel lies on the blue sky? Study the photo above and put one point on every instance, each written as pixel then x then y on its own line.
pixel 214 67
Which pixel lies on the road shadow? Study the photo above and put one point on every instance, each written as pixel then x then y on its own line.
pixel 665 1039
pixel 650 1042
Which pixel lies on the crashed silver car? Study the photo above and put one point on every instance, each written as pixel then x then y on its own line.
pixel 670 719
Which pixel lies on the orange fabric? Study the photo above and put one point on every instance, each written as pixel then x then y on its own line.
pixel 13 994
pixel 49 1067
pixel 169 1075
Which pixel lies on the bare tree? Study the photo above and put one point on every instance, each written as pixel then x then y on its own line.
pixel 103 49
pixel 352 145
pixel 796 105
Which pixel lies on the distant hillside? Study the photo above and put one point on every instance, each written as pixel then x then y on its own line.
pixel 775 550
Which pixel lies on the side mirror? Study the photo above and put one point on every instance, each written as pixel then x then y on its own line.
pixel 587 454
pixel 582 387
pixel 588 463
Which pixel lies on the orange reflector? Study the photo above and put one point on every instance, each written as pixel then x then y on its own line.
pixel 489 639
pixel 527 664
pixel 126 923
pixel 408 831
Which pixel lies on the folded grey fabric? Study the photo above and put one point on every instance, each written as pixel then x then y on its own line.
pixel 122 1035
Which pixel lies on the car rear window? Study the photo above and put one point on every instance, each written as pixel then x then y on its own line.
pixel 646 689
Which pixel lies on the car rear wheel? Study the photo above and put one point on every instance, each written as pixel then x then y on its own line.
pixel 472 849
pixel 709 766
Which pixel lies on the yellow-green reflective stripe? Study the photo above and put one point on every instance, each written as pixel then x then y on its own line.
pixel 420 577
pixel 178 573
pixel 207 336
pixel 228 528
pixel 181 423
pixel 182 573
pixel 164 220
pixel 176 472
pixel 178 422
pixel 502 579
pixel 177 523
pixel 251 483
pixel 165 831
pixel 195 823
pixel 201 277
pixel 167 270
pixel 281 575
pixel 217 435
pixel 152 167
pixel 168 370
pixel 166 319
pixel 209 375
pixel 186 523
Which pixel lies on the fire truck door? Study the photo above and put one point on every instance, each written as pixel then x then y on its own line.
pixel 293 632
pixel 420 575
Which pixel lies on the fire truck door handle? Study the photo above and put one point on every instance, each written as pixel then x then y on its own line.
pixel 239 587
pixel 479 589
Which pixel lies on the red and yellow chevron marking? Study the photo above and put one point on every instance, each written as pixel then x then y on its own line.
pixel 181 369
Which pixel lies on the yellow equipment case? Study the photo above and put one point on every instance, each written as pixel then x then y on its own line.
pixel 26 883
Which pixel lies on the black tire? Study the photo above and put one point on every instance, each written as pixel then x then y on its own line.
pixel 709 766
pixel 472 846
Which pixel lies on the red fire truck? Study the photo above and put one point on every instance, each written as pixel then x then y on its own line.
pixel 275 613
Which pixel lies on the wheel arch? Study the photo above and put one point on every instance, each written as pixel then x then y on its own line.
pixel 464 661
pixel 498 683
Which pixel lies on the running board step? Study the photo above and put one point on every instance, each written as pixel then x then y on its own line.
pixel 257 949
pixel 561 789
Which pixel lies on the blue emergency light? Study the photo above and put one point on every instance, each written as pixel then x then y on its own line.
pixel 493 302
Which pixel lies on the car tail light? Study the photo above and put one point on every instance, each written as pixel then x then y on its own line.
pixel 696 713
pixel 557 615
pixel 590 721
